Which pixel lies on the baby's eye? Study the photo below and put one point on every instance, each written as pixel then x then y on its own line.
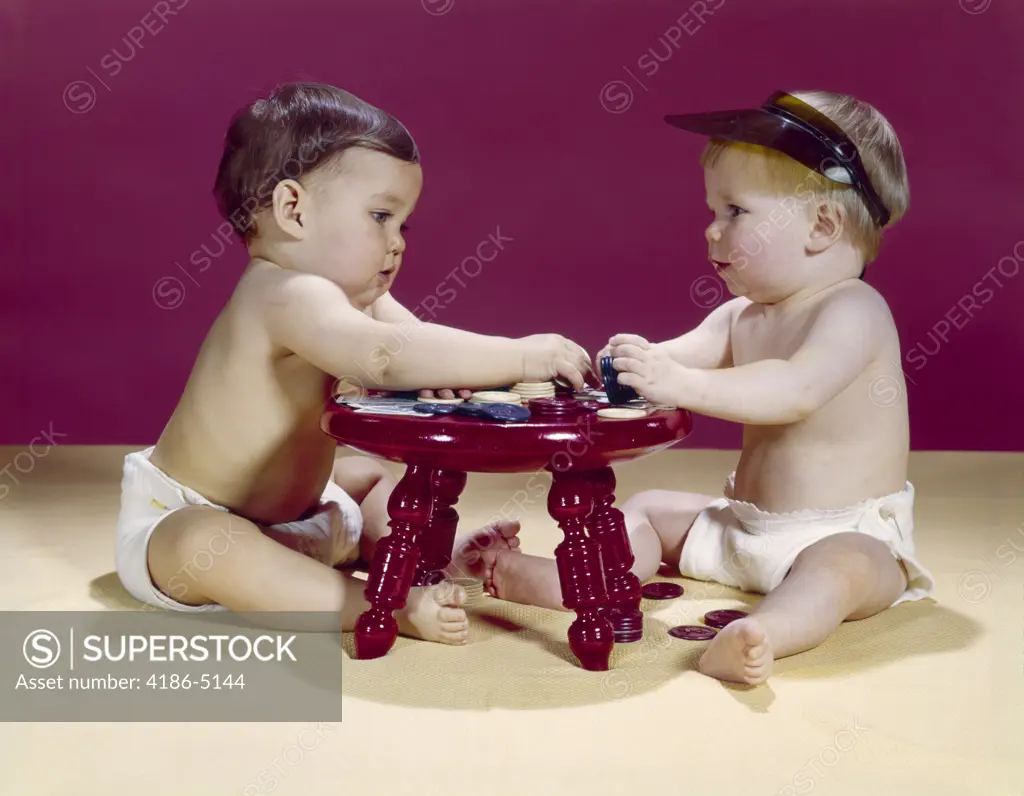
pixel 380 216
pixel 404 228
pixel 735 211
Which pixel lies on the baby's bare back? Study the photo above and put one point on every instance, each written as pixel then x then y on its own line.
pixel 853 448
pixel 246 432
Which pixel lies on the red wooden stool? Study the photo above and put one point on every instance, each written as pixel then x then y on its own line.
pixel 563 436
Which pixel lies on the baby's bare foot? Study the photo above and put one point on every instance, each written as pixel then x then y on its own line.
pixel 475 554
pixel 344 543
pixel 434 613
pixel 740 653
pixel 530 580
pixel 324 536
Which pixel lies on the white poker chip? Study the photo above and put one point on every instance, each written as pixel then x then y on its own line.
pixel 474 588
pixel 496 397
pixel 621 413
pixel 440 400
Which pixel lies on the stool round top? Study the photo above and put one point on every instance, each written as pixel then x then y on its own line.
pixel 561 434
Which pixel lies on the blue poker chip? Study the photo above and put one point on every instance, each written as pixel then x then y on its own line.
pixel 617 393
pixel 502 413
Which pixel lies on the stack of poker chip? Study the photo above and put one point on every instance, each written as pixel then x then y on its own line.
pixel 529 390
pixel 617 393
pixel 496 397
pixel 474 588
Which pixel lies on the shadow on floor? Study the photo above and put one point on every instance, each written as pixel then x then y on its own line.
pixel 519 656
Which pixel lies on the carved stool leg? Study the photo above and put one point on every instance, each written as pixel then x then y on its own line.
pixel 439 537
pixel 394 562
pixel 591 636
pixel 607 525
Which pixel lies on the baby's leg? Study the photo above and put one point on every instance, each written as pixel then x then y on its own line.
pixel 846 576
pixel 370 484
pixel 657 522
pixel 199 555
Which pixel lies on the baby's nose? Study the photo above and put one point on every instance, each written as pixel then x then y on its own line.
pixel 712 233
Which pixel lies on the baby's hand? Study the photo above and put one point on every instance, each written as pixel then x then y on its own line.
pixel 619 339
pixel 550 356
pixel 446 394
pixel 649 371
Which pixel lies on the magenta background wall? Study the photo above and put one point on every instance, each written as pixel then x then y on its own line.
pixel 524 133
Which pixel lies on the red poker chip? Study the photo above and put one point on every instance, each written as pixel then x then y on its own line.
pixel 692 632
pixel 720 619
pixel 661 590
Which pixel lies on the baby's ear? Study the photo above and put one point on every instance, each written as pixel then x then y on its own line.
pixel 827 227
pixel 290 206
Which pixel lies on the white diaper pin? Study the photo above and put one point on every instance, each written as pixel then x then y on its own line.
pixel 887 513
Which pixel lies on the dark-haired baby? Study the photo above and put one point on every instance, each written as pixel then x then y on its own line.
pixel 240 504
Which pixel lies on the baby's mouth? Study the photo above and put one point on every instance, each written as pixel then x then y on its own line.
pixel 719 264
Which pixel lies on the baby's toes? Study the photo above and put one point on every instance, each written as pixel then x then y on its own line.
pixel 447 616
pixel 454 629
pixel 454 637
pixel 755 675
pixel 449 596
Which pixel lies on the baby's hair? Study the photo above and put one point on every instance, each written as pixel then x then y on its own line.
pixel 295 131
pixel 880 152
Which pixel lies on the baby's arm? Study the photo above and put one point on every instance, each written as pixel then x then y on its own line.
pixel 313 318
pixel 709 345
pixel 845 336
pixel 389 310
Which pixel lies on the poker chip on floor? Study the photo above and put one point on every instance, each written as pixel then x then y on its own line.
pixel 660 590
pixel 720 619
pixel 692 632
